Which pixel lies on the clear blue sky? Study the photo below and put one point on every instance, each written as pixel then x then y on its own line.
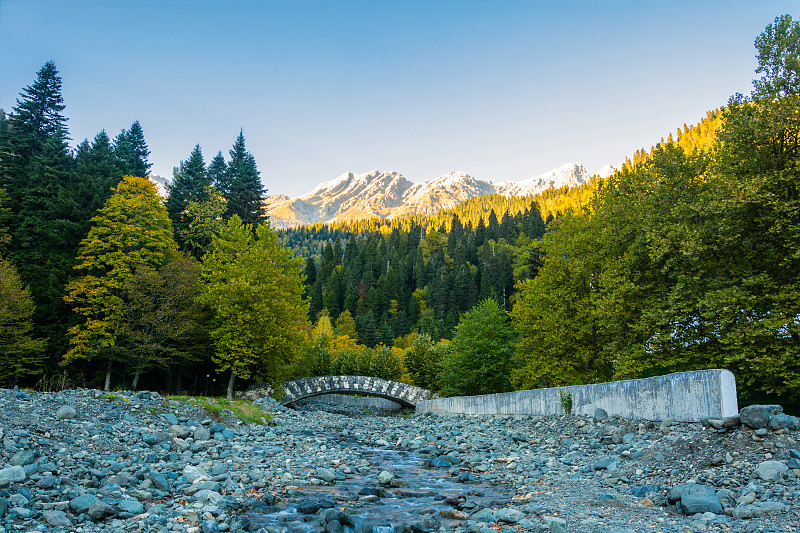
pixel 498 89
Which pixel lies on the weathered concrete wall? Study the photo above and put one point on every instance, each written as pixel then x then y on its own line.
pixel 401 393
pixel 356 401
pixel 684 396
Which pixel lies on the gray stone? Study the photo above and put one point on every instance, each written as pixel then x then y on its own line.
pixel 326 474
pixel 159 481
pixel 81 504
pixel 193 473
pixel 180 431
pixel 100 510
pixel 509 515
pixel 484 515
pixel 771 470
pixel 555 524
pixel 667 422
pixel 600 415
pixel 22 458
pixel 757 510
pixel 47 482
pixel 793 463
pixel 794 453
pixel 607 463
pixel 56 519
pixel 385 478
pixel 130 506
pixel 308 507
pixel 201 434
pixel 700 499
pixel 66 412
pixel 14 474
pixel 757 416
pixel 783 421
pixel 170 418
pixel 209 526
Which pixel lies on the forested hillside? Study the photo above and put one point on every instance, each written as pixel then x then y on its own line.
pixel 686 258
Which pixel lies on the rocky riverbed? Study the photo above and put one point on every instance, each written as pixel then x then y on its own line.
pixel 82 461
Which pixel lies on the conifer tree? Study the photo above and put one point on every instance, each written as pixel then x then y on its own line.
pixel 245 192
pixel 131 149
pixel 190 183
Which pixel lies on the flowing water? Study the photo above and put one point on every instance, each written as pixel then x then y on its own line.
pixel 424 494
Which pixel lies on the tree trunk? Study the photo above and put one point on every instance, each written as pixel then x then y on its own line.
pixel 167 382
pixel 136 378
pixel 230 386
pixel 107 386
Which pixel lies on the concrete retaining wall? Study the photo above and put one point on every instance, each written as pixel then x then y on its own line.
pixel 356 401
pixel 684 396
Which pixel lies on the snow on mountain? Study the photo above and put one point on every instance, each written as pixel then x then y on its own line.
pixel 389 195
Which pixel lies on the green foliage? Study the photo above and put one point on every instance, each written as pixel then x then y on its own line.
pixel 686 259
pixel 162 324
pixel 242 186
pixel 190 184
pixel 422 361
pixel 131 232
pixel 21 353
pixel 565 399
pixel 778 49
pixel 203 221
pixel 482 353
pixel 253 286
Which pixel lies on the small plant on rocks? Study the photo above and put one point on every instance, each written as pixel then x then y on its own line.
pixel 566 401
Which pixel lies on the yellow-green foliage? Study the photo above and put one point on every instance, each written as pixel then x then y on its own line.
pixel 253 286
pixel 131 231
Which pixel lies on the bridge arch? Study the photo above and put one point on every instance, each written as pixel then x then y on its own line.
pixel 402 393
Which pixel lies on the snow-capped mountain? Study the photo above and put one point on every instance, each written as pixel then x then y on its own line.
pixel 389 194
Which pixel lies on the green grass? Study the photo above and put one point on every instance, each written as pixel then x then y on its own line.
pixel 244 410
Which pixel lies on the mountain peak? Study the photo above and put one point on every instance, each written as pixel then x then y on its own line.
pixel 388 194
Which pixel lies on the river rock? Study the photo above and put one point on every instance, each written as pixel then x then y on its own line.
pixel 757 510
pixel 771 470
pixel 57 519
pixel 22 458
pixel 100 510
pixel 385 477
pixel 757 416
pixel 326 474
pixel 600 415
pixel 700 499
pixel 13 474
pixel 509 515
pixel 81 504
pixel 783 421
pixel 66 412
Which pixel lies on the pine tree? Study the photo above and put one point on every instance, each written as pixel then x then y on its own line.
pixel 38 173
pixel 131 149
pixel 190 183
pixel 245 191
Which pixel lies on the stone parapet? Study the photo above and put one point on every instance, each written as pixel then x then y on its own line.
pixel 684 396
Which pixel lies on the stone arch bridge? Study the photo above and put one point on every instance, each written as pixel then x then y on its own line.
pixel 402 393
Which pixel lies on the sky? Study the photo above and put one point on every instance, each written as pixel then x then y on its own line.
pixel 501 90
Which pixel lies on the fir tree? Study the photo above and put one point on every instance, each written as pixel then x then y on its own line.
pixel 245 191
